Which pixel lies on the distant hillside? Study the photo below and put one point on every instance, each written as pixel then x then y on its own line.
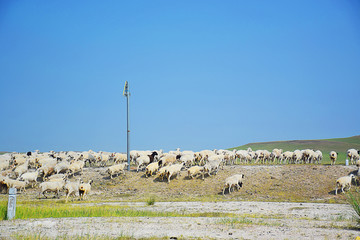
pixel 340 145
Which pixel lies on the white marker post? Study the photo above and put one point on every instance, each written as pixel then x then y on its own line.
pixel 126 93
pixel 11 204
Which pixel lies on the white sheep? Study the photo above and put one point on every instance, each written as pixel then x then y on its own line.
pixel 76 166
pixel 174 170
pixel 167 159
pixel 20 169
pixel 117 169
pixel 51 187
pixel 62 166
pixel 20 185
pixel 317 156
pixel 84 189
pixel 344 182
pixel 353 155
pixel 120 157
pixel 286 157
pixel 162 172
pixel 194 170
pixel 233 181
pixel 211 166
pixel 188 159
pixel 71 188
pixel 30 177
pixel 333 157
pixel 151 169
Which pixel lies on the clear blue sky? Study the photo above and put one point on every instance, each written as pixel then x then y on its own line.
pixel 202 74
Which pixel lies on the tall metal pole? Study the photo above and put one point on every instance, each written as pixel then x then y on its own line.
pixel 126 93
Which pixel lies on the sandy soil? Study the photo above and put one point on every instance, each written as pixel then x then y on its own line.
pixel 257 220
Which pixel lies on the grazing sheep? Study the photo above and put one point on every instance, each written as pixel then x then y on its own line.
pixel 20 169
pixel 30 177
pixel 151 169
pixel 116 169
pixel 62 167
pixel 344 182
pixel 120 157
pixel 76 166
pixel 162 172
pixel 287 156
pixel 233 181
pixel 353 155
pixel 211 167
pixel 51 187
pixel 174 170
pixel 333 157
pixel 187 159
pixel 71 188
pixel 317 156
pixel 84 189
pixel 276 154
pixel 19 185
pixel 142 160
pixel 297 156
pixel 45 171
pixel 167 159
pixel 195 170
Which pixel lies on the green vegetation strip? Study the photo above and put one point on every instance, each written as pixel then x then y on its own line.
pixel 27 211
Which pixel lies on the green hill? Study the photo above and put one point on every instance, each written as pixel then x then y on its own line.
pixel 340 145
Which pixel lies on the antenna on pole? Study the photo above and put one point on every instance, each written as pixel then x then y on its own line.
pixel 126 93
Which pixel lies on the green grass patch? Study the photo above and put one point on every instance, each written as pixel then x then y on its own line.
pixel 57 210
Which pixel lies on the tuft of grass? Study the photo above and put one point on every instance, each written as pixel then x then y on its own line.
pixel 3 210
pixel 30 211
pixel 354 200
pixel 150 201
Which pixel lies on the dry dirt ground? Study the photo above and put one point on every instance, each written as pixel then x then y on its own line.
pixel 275 202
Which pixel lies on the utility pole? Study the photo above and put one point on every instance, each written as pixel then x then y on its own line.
pixel 126 93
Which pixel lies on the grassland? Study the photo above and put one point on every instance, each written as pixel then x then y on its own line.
pixel 340 145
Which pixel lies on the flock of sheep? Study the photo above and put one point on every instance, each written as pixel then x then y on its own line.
pixel 53 171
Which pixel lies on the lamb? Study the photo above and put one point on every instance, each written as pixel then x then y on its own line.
pixel 151 169
pixel 333 157
pixel 71 188
pixel 84 189
pixel 174 170
pixel 233 181
pixel 353 154
pixel 344 182
pixel 195 170
pixel 116 169
pixel 51 187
